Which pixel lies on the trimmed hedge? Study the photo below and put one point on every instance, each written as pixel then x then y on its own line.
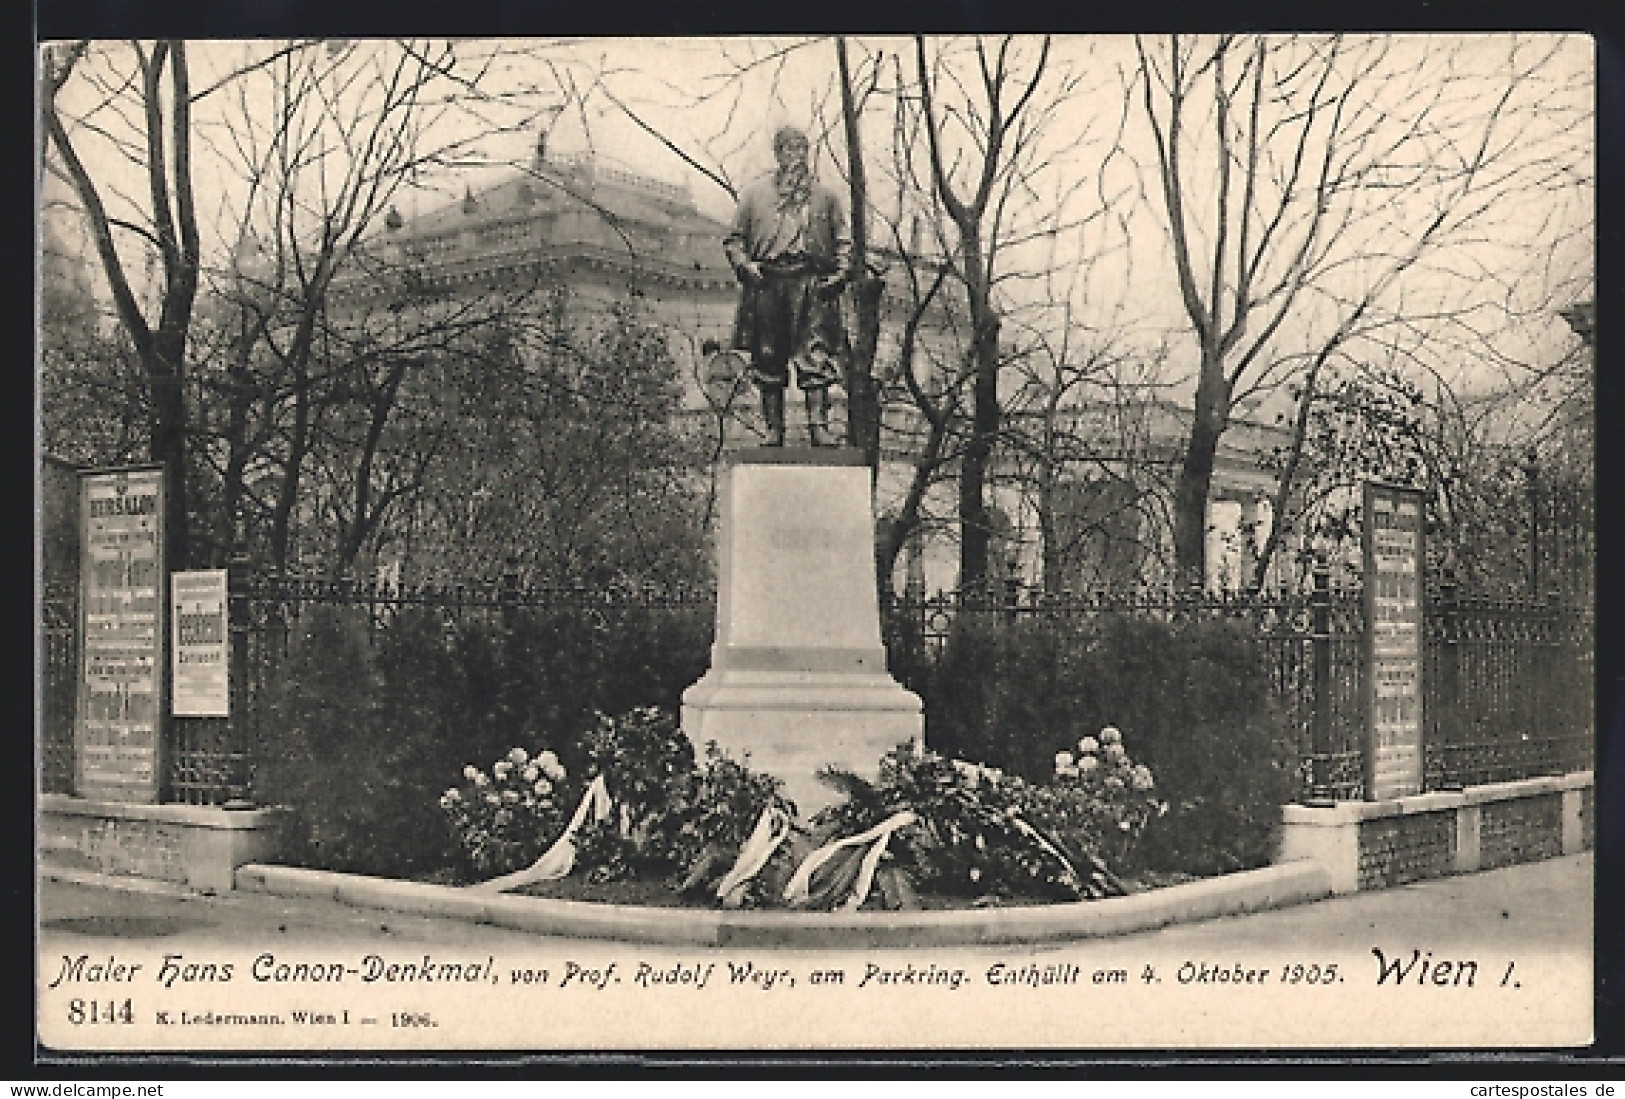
pixel 352 730
pixel 1193 701
pixel 363 726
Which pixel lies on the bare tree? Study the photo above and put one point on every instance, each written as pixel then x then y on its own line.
pixel 324 141
pixel 254 376
pixel 146 88
pixel 1080 437
pixel 973 197
pixel 1307 182
pixel 865 279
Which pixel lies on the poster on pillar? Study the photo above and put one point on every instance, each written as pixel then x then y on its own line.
pixel 117 736
pixel 1393 560
pixel 198 607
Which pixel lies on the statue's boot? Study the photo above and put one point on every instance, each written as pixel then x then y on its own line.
pixel 818 417
pixel 773 416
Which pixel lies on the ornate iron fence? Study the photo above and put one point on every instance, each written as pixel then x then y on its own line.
pixel 1508 681
pixel 1509 688
pixel 214 760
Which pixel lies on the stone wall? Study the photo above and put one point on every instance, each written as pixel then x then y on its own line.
pixel 192 845
pixel 1379 844
pixel 1397 850
pixel 1525 830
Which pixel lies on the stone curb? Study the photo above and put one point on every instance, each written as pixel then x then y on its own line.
pixel 1248 891
pixel 126 883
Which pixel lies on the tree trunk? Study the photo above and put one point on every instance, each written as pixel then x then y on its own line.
pixel 168 442
pixel 1196 476
pixel 975 523
pixel 288 494
pixel 239 399
pixel 366 512
pixel 161 348
pixel 929 460
pixel 1054 571
pixel 862 394
pixel 908 516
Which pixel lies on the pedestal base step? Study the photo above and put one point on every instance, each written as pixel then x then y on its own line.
pixel 793 726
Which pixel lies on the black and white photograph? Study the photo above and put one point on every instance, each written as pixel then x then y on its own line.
pixel 815 544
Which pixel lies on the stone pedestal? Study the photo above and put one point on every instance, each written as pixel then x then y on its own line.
pixel 798 676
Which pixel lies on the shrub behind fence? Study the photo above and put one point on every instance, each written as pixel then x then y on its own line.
pixel 367 702
pixel 1508 682
pixel 1307 647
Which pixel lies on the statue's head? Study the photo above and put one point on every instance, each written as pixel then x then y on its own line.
pixel 790 146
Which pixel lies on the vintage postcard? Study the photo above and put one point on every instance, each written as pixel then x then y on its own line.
pixel 816 544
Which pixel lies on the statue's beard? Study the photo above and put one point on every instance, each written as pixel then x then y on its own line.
pixel 793 182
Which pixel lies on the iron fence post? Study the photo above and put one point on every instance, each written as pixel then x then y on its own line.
pixel 510 594
pixel 1531 470
pixel 916 612
pixel 1012 594
pixel 1550 713
pixel 1447 697
pixel 239 727
pixel 1320 602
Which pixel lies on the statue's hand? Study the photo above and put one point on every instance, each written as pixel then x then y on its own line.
pixel 749 272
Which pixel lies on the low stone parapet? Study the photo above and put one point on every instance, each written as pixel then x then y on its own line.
pixel 199 846
pixel 1378 844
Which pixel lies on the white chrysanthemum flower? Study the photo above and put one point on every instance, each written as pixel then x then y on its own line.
pixel 492 799
pixel 454 794
pixel 531 772
pixel 502 769
pixel 1063 760
pixel 1088 763
pixel 542 787
pixel 1140 778
pixel 1113 782
pixel 1111 735
pixel 470 772
pixel 519 757
pixel 554 771
pixel 1088 746
pixel 1115 752
pixel 480 779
